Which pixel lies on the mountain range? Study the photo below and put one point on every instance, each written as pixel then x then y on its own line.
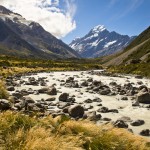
pixel 24 38
pixel 100 42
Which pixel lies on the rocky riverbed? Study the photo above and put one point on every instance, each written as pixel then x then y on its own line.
pixel 121 100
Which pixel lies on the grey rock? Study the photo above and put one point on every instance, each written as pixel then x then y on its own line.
pixel 88 101
pixel 113 110
pixel 145 132
pixel 124 98
pixel 64 97
pixel 28 100
pixel 52 91
pixel 43 90
pixel 94 117
pixel 90 80
pixel 137 122
pixel 10 88
pixel 84 83
pixel 17 95
pixel 138 77
pixel 106 119
pixel 125 119
pixel 76 111
pixel 105 92
pixel 143 97
pixel 96 83
pixel 97 100
pixel 103 110
pixel 50 99
pixel 4 104
pixel 120 124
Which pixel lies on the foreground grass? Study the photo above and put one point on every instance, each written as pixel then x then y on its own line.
pixel 3 92
pixel 21 132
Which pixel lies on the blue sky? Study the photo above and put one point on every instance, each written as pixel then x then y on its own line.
pixel 129 17
pixel 68 19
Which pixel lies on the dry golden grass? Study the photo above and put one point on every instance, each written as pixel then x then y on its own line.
pixel 3 92
pixel 17 70
pixel 21 132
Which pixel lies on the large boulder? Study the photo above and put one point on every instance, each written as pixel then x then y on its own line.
pixel 145 132
pixel 120 124
pixel 76 111
pixel 137 122
pixel 96 83
pixel 84 83
pixel 17 94
pixel 103 110
pixel 143 97
pixel 52 91
pixel 105 92
pixel 28 100
pixel 43 90
pixel 93 116
pixel 64 97
pixel 70 79
pixel 10 88
pixel 4 104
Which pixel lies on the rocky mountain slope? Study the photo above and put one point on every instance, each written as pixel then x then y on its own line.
pixel 137 52
pixel 20 37
pixel 100 42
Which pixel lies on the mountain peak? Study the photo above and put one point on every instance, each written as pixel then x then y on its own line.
pixel 99 28
pixel 4 10
pixel 100 42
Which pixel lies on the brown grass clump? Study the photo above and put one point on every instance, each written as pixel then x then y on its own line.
pixel 3 91
pixel 21 132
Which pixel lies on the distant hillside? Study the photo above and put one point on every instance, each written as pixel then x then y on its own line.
pixel 23 38
pixel 137 52
pixel 134 59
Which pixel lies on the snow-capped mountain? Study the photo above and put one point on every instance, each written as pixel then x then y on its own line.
pixel 99 42
pixel 21 37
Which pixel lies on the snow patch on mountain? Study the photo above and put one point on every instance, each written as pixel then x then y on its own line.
pixel 98 28
pixel 99 42
pixel 110 43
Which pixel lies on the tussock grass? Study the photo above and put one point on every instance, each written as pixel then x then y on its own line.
pixel 21 132
pixel 137 69
pixel 12 65
pixel 3 92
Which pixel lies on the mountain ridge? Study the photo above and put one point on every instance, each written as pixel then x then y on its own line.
pixel 100 42
pixel 30 38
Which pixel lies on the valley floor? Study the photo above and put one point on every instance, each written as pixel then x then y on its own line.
pixel 94 109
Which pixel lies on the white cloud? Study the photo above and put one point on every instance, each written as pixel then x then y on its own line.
pixel 56 20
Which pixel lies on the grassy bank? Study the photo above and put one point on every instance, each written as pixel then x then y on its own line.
pixel 139 69
pixel 21 132
pixel 12 65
